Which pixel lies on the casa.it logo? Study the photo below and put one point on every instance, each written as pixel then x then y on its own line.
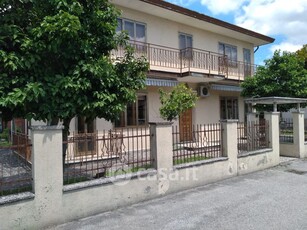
pixel 122 176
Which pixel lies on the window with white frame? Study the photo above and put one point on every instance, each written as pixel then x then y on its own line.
pixel 136 32
pixel 247 62
pixel 135 113
pixel 186 45
pixel 229 108
pixel 231 52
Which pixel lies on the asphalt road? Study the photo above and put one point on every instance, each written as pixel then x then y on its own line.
pixel 271 199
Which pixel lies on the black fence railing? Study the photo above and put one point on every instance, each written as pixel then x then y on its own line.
pixel 15 165
pixel 252 136
pixel 196 143
pixel 106 154
pixel 286 130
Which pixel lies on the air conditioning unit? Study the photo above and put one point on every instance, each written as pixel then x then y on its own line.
pixel 203 91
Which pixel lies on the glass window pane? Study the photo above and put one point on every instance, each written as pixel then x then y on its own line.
pixel 131 114
pixel 228 51
pixel 247 56
pixel 229 108
pixel 221 48
pixel 189 41
pixel 182 41
pixel 142 110
pixel 119 25
pixel 81 125
pixel 234 53
pixel 90 126
pixel 223 109
pixel 129 27
pixel 140 33
pixel 120 122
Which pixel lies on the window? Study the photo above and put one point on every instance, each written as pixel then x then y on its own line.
pixel 136 32
pixel 229 108
pixel 135 113
pixel 86 144
pixel 231 52
pixel 247 62
pixel 186 45
pixel 84 126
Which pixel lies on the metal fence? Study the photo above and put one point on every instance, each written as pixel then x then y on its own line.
pixel 286 130
pixel 252 136
pixel 188 60
pixel 195 143
pixel 106 154
pixel 15 165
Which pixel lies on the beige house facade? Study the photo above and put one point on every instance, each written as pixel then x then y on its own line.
pixel 209 55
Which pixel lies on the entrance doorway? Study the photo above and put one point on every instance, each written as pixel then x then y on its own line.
pixel 185 126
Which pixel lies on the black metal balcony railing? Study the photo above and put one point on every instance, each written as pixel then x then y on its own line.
pixel 189 60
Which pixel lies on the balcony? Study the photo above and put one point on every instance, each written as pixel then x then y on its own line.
pixel 190 62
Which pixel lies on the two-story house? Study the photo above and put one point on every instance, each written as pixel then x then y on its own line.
pixel 209 55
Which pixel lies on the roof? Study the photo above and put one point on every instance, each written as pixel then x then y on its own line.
pixel 275 100
pixel 205 18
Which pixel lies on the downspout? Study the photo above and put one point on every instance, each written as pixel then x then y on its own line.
pixel 256 49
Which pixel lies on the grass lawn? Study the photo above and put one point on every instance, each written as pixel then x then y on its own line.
pixel 189 159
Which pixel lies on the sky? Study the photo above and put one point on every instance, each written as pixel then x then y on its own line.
pixel 284 20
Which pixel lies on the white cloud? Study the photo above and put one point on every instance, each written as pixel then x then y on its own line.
pixel 284 18
pixel 223 6
pixel 184 3
pixel 285 46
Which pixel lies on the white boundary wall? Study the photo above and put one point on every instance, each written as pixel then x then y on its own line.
pixel 52 203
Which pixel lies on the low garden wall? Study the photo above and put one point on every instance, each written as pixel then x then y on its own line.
pixel 51 202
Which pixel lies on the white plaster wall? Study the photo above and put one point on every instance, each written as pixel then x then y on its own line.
pixel 191 177
pixel 165 32
pixel 288 150
pixel 260 161
pixel 207 109
pixel 53 206
pixel 305 153
pixel 153 103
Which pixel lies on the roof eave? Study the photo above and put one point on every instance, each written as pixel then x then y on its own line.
pixel 203 17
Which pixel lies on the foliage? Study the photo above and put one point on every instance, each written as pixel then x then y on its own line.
pixel 4 135
pixel 55 61
pixel 302 53
pixel 283 75
pixel 176 102
pixel 190 159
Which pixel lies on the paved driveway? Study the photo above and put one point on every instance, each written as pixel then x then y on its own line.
pixel 271 199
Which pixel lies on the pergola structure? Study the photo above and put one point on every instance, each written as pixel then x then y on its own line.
pixel 276 101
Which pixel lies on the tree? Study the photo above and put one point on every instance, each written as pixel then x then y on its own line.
pixel 176 102
pixel 302 53
pixel 283 75
pixel 55 61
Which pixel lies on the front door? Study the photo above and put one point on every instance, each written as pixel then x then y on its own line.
pixel 185 126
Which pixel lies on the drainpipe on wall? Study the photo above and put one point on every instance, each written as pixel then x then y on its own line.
pixel 256 49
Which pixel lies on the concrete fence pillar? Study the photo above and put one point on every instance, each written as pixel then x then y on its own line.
pixel 161 147
pixel 273 132
pixel 298 134
pixel 252 117
pixel 230 143
pixel 47 168
pixel 161 144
